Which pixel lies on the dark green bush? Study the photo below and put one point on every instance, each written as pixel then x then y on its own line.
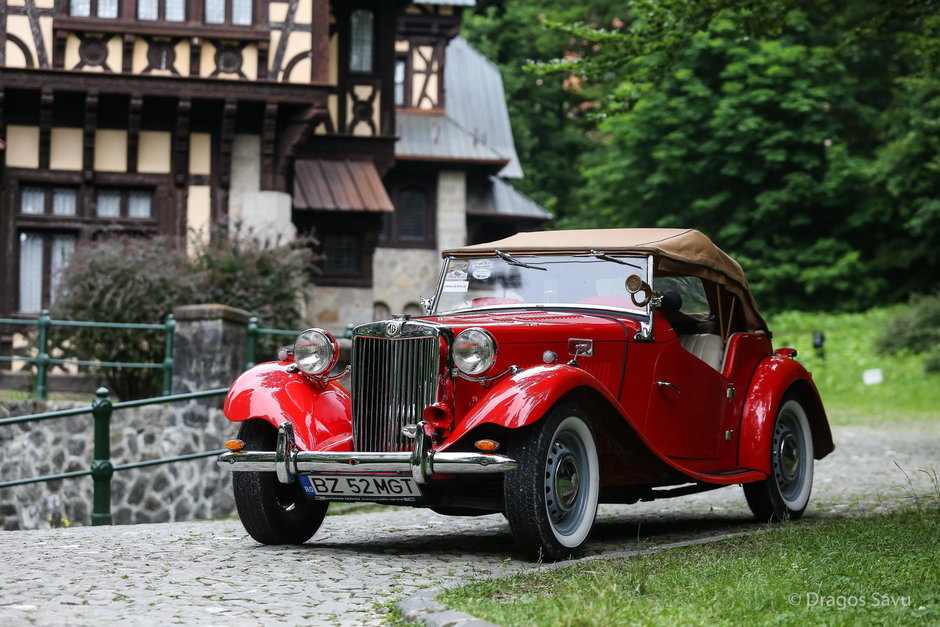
pixel 143 280
pixel 917 329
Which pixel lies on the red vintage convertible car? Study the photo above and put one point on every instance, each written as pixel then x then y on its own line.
pixel 552 372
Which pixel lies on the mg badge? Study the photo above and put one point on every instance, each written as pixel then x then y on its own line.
pixel 393 328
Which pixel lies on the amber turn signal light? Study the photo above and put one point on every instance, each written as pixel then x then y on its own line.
pixel 487 446
pixel 234 445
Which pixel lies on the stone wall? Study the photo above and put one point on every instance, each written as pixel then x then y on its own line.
pixel 402 276
pixel 209 352
pixel 169 492
pixel 335 307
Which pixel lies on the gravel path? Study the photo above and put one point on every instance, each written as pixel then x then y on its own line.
pixel 210 572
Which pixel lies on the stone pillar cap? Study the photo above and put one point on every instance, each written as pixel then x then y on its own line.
pixel 212 312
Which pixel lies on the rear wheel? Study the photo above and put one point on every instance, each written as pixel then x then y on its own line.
pixel 785 494
pixel 273 512
pixel 551 499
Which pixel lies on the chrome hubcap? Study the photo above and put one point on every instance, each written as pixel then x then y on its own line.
pixel 567 481
pixel 789 456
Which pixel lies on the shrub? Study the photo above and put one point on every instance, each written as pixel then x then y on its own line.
pixel 122 280
pixel 917 329
pixel 143 280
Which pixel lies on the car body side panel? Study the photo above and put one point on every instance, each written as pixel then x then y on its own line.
pixel 523 398
pixel 776 376
pixel 320 415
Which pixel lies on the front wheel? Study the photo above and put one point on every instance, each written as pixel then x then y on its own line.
pixel 551 498
pixel 273 512
pixel 785 494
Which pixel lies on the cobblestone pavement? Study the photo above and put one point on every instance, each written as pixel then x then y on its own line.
pixel 210 572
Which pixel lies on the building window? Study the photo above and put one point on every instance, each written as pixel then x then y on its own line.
pixel 341 254
pixel 43 256
pixel 401 65
pixel 236 12
pixel 94 8
pixel 168 10
pixel 412 223
pixel 56 201
pixel 413 215
pixel 123 203
pixel 362 39
pixel 49 221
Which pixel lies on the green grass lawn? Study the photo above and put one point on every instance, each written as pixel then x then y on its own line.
pixel 879 570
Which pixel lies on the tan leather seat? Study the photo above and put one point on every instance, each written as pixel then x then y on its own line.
pixel 705 346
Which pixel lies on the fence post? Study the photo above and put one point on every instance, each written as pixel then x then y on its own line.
pixel 252 344
pixel 42 359
pixel 170 329
pixel 101 467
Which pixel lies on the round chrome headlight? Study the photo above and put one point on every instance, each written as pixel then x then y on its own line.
pixel 316 351
pixel 474 351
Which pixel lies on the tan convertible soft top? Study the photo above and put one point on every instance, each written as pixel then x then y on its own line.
pixel 678 251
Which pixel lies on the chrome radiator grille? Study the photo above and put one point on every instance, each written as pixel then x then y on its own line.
pixel 393 380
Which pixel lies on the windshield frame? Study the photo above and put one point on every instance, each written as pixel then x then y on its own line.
pixel 643 314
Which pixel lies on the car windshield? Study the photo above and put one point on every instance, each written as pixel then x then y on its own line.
pixel 538 280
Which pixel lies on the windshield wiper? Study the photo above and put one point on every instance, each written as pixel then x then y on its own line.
pixel 607 257
pixel 515 262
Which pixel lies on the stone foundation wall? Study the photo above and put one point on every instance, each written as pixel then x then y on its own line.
pixel 169 492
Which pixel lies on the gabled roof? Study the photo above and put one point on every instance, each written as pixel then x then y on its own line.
pixel 500 198
pixel 425 136
pixel 476 101
pixel 475 125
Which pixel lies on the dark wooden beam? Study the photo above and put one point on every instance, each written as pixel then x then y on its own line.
pixel 268 139
pixel 147 85
pixel 321 41
pixel 133 131
pixel 227 137
pixel 180 166
pixel 88 136
pixel 45 127
pixel 127 62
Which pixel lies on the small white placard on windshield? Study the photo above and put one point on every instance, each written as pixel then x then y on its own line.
pixel 456 285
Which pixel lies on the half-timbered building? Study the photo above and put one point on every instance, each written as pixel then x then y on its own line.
pixel 370 123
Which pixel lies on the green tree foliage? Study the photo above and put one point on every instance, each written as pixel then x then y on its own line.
pixel 134 280
pixel 547 111
pixel 803 137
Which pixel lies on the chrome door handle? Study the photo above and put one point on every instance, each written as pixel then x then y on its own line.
pixel 667 384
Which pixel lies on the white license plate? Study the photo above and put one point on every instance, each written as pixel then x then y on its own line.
pixel 364 488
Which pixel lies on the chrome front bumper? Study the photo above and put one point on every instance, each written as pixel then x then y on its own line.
pixel 288 462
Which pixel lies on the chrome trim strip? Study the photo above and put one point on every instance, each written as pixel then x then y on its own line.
pixel 421 463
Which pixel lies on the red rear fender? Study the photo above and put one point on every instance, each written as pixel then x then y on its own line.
pixel 272 392
pixel 776 378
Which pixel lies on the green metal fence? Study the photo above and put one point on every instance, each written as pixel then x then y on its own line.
pixel 43 360
pixel 255 332
pixel 102 470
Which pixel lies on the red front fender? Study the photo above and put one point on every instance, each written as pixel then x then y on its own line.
pixel 524 397
pixel 775 378
pixel 271 392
